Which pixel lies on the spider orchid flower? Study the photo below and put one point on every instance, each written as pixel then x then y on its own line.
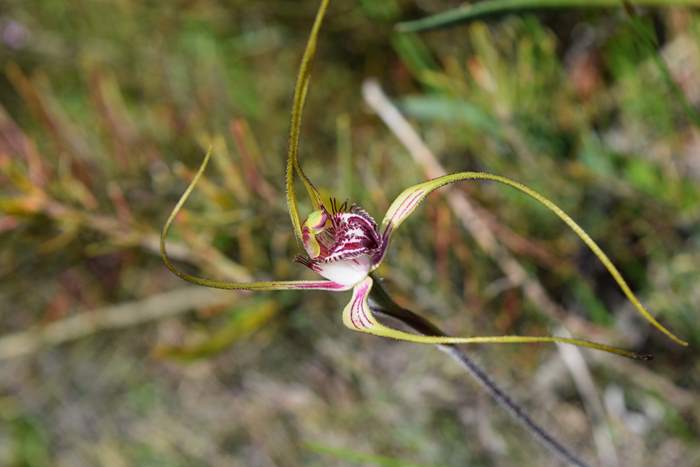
pixel 344 244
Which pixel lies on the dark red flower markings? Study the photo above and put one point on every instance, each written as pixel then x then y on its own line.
pixel 352 237
pixel 358 315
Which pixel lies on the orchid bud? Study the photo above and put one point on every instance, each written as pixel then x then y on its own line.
pixel 315 225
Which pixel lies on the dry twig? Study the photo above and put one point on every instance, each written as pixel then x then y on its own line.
pixel 153 308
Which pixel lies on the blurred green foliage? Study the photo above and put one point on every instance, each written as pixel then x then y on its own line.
pixel 105 107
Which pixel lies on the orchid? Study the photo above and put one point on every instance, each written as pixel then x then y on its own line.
pixel 344 244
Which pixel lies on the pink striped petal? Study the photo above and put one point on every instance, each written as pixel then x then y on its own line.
pixel 402 207
pixel 357 314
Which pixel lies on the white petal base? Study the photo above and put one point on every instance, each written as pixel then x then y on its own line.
pixel 346 272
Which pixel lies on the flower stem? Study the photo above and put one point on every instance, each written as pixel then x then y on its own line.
pixel 382 304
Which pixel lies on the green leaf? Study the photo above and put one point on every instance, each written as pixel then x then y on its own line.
pixel 244 321
pixel 594 307
pixel 30 443
pixel 414 54
pixel 360 458
pixel 446 109
pixel 384 10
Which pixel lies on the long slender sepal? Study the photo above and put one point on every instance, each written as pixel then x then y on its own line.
pixel 300 92
pixel 410 198
pixel 358 316
pixel 265 285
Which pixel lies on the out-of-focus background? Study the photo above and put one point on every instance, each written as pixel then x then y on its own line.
pixel 108 359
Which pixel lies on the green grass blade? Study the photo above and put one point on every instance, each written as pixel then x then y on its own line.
pixel 496 7
pixel 449 110
pixel 244 321
pixel 360 458
pixel 645 31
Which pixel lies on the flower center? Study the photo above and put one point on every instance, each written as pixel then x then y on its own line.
pixel 340 244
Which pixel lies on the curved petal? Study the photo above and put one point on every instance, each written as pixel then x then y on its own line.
pixel 409 199
pixel 358 316
pixel 265 285
pixel 300 91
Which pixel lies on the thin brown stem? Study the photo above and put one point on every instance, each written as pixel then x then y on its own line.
pixel 382 304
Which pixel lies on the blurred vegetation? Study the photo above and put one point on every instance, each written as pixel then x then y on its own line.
pixel 105 108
